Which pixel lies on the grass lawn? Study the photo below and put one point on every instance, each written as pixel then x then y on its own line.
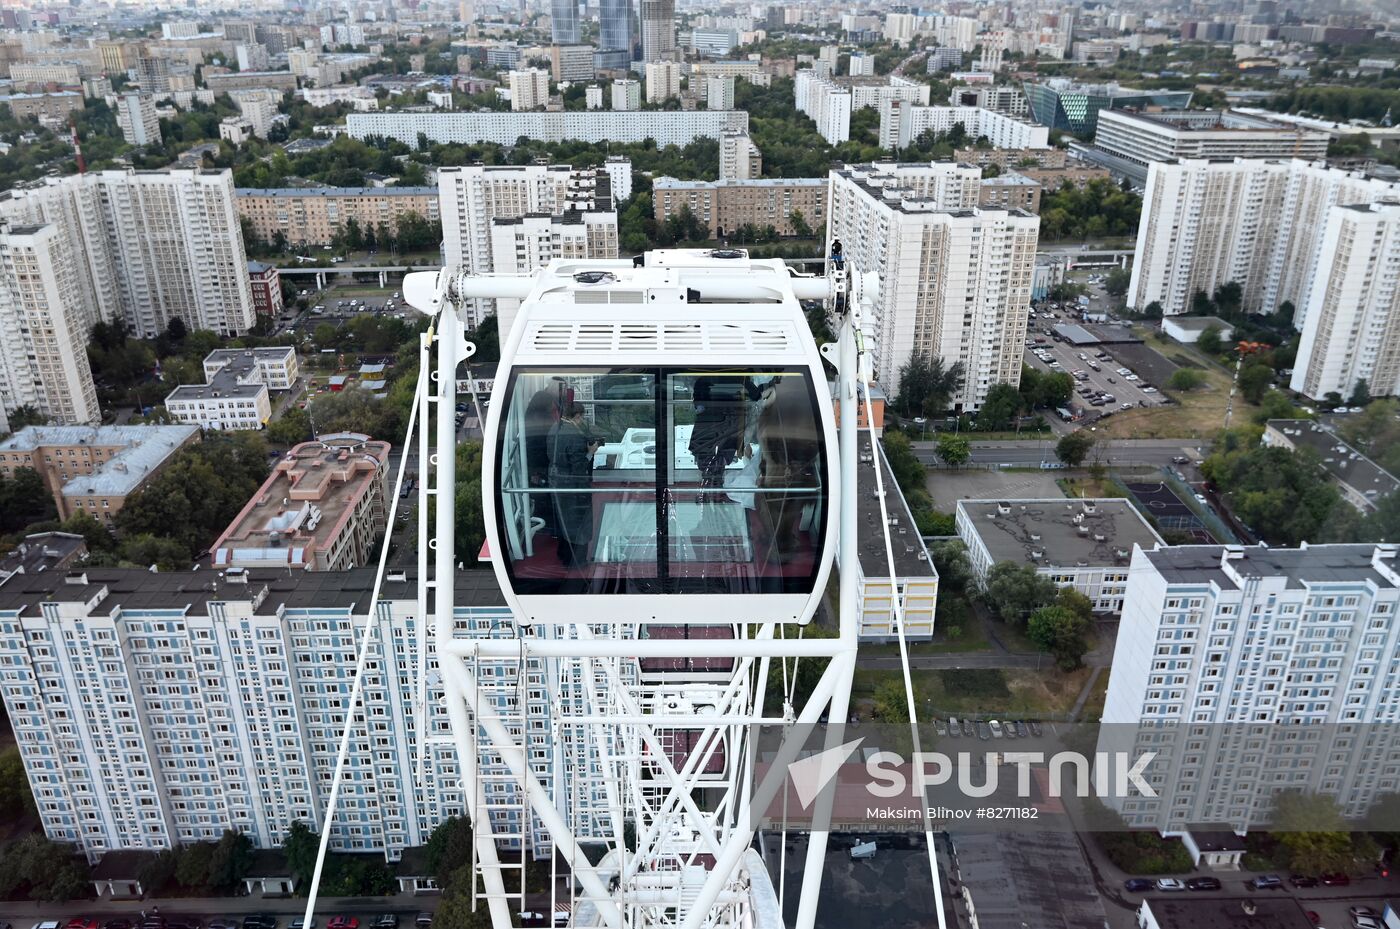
pixel 970 640
pixel 1198 414
pixel 1044 694
pixel 1093 707
pixel 1086 486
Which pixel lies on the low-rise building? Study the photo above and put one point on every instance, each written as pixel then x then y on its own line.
pixel 1075 175
pixel 93 469
pixel 1010 191
pixel 321 509
pixel 236 392
pixel 902 122
pixel 1222 913
pixel 1188 329
pixel 1021 159
pixel 916 580
pixel 235 130
pixel 251 80
pixel 266 283
pixel 1085 544
pixel 726 206
pixel 1361 481
pixel 43 551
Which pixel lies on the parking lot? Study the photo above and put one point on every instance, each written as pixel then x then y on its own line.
pixel 1098 374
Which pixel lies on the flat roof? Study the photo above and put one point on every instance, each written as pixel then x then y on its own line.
pixel 305 503
pixel 1198 323
pixel 1067 533
pixel 143 450
pixel 1344 463
pixel 1216 837
pixel 1031 878
pixel 230 381
pixel 43 551
pixel 671 183
pixel 272 589
pixel 911 558
pixel 1256 912
pixel 288 193
pixel 1303 566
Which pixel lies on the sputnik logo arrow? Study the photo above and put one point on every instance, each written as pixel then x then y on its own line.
pixel 811 775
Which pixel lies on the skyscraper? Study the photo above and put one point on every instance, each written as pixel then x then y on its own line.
pixel 615 28
pixel 564 21
pixel 658 29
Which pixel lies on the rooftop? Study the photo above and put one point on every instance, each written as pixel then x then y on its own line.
pixel 1301 567
pixel 1216 837
pixel 143 450
pixel 1257 912
pixel 289 193
pixel 1188 121
pixel 305 502
pixel 671 183
pixel 1060 532
pixel 1199 323
pixel 43 551
pixel 1032 878
pixel 239 377
pixel 911 558
pixel 270 589
pixel 1345 464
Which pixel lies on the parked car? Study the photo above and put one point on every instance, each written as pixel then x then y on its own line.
pixel 343 922
pixel 1138 884
pixel 122 923
pixel 997 731
pixel 1035 728
pixel 83 922
pixel 1169 884
pixel 1365 911
pixel 1366 922
pixel 386 921
pixel 1180 459
pixel 301 923
pixel 984 732
pixel 940 727
pixel 1021 731
pixel 1335 880
pixel 423 920
pixel 260 921
pixel 1203 883
pixel 1302 880
pixel 955 728
pixel 1267 882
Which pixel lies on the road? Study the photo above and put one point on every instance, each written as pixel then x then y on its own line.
pixel 1117 453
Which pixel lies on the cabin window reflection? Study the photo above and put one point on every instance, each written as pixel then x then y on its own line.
pixel 637 480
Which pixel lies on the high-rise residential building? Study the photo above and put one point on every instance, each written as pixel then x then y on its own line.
pixel 1350 322
pixel 593 97
pixel 999 98
pixel 150 246
pixel 529 89
pixel 959 32
pixel 153 74
pixel 663 80
pixel 615 28
pixel 1251 670
pixel 658 21
pixel 626 94
pixel 179 30
pixel 219 698
pixel 1063 104
pixel 137 118
pixel 955 280
pixel 719 92
pixel 900 27
pixel 713 43
pixel 575 206
pixel 827 103
pixel 44 327
pixel 323 507
pixel 861 65
pixel 727 206
pixel 902 122
pixel 252 57
pixel 258 107
pixel 1128 142
pixel 563 22
pixel 739 157
pixel 316 215
pixel 619 171
pixel 993 48
pixel 1256 223
pixel 571 62
pixel 240 32
pixel 944 58
pixel 662 127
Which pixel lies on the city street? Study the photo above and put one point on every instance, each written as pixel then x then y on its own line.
pixel 366 909
pixel 1031 453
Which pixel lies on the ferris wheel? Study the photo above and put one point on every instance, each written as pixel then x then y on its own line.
pixel 665 492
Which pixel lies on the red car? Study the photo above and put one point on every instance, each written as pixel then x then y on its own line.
pixel 343 922
pixel 1335 880
pixel 83 922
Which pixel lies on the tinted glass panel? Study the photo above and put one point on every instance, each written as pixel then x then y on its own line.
pixel 631 480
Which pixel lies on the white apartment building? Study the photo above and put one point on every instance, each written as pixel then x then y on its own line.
pixel 1349 321
pixel 235 130
pixel 958 32
pixel 44 327
pixel 626 94
pixel 915 582
pixel 235 394
pixel 619 171
pixel 524 244
pixel 155 709
pixel 955 281
pixel 472 198
pixel 252 57
pixel 739 158
pixel 529 89
pixel 149 245
pixel 663 80
pixel 900 27
pixel 861 65
pixel 1258 223
pixel 258 107
pixel 719 92
pixel 137 118
pixel 999 98
pixel 1085 544
pixel 827 103
pixel 661 126
pixel 593 97
pixel 1254 670
pixel 901 123
pixel 1129 142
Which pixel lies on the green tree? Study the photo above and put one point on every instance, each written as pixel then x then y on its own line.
pixel 192 865
pixel 300 846
pixel 26 415
pixel 1000 409
pixel 1117 281
pixel 926 386
pixel 1060 632
pixel 146 549
pixel 354 411
pixel 449 849
pixel 290 428
pixel 1209 340
pixel 1075 447
pixel 487 339
pixel 954 566
pixel 1360 394
pixel 800 227
pixel 1014 591
pixel 1186 379
pixel 351 235
pixel 16 799
pixel 1311 828
pixel 230 861
pixel 47 871
pixel 1255 381
pixel 891 703
pixel 471 526
pixel 455 910
pixel 24 499
pixel 954 449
